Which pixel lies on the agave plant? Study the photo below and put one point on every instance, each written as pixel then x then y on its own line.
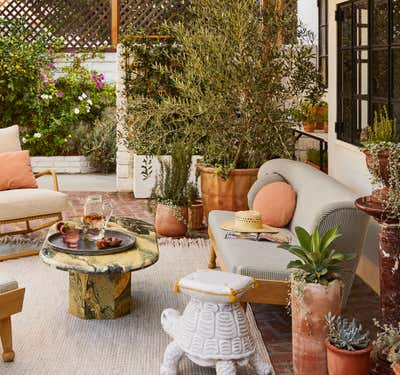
pixel 345 334
pixel 316 260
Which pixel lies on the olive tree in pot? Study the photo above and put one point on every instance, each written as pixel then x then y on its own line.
pixel 348 347
pixel 237 85
pixel 170 193
pixel 316 290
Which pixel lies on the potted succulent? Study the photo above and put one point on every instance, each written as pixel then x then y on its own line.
pixel 196 213
pixel 387 343
pixel 170 193
pixel 316 290
pixel 382 143
pixel 348 347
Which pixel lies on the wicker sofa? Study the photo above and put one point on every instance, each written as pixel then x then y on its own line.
pixel 322 203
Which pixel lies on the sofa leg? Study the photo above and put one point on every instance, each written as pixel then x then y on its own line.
pixel 6 339
pixel 213 256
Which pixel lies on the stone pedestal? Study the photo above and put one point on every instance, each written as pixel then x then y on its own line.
pixel 389 268
pixel 94 296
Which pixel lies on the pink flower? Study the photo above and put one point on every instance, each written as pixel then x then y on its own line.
pixel 42 77
pixel 60 94
pixel 52 65
pixel 72 54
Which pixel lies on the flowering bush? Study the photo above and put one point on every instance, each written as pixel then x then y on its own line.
pixel 48 103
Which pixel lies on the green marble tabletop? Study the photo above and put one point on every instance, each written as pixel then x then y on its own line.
pixel 144 254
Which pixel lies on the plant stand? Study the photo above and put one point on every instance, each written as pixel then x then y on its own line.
pixel 389 268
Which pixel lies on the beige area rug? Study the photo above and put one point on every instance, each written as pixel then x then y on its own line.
pixel 49 341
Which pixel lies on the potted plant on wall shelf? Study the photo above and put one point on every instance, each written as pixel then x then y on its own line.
pixel 387 343
pixel 316 290
pixel 348 347
pixel 170 193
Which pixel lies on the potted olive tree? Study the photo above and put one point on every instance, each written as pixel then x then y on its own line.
pixel 316 290
pixel 348 347
pixel 388 344
pixel 170 193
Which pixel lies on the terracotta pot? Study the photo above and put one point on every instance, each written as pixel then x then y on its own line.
pixel 319 112
pixel 396 368
pixel 384 172
pixel 229 194
pixel 309 328
pixel 308 126
pixel 166 222
pixel 343 362
pixel 196 215
pixel 326 127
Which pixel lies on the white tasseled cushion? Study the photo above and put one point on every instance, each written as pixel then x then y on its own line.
pixel 20 203
pixel 6 285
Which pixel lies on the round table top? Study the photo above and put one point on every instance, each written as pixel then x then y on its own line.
pixel 144 254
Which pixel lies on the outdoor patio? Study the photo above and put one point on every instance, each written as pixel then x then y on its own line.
pixel 200 187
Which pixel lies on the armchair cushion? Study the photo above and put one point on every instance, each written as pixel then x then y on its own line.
pixel 6 284
pixel 9 139
pixel 22 203
pixel 16 171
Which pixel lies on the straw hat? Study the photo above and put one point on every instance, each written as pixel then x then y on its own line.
pixel 248 222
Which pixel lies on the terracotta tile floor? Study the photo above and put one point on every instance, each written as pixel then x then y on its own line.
pixel 273 321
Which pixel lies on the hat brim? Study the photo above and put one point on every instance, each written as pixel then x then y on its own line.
pixel 230 225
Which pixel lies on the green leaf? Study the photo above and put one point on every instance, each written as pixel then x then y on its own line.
pixel 303 237
pixel 328 238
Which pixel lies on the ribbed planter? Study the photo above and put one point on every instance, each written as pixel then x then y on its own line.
pixel 229 194
pixel 196 215
pixel 343 362
pixel 309 329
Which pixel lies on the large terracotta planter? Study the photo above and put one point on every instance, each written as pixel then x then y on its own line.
pixel 396 368
pixel 383 164
pixel 167 224
pixel 229 194
pixel 309 328
pixel 343 362
pixel 196 215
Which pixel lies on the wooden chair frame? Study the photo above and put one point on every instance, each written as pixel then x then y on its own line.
pixel 10 303
pixel 272 292
pixel 55 217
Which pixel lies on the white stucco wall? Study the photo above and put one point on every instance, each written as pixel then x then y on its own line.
pixel 347 162
pixel 308 14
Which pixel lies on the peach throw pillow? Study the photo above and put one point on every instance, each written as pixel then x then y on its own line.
pixel 16 171
pixel 276 202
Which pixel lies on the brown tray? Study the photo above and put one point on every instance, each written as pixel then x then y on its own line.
pixel 86 247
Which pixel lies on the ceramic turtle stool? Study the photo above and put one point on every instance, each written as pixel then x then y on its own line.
pixel 213 330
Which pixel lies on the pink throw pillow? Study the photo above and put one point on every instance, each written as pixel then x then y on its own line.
pixel 16 171
pixel 276 202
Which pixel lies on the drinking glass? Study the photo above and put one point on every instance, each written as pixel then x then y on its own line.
pixel 93 217
pixel 107 212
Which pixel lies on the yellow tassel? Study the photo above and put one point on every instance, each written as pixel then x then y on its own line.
pixel 256 283
pixel 232 298
pixel 176 287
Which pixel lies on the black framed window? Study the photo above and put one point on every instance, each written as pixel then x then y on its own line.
pixel 368 64
pixel 323 39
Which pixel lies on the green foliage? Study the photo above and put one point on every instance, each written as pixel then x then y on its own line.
pixel 314 155
pixel 235 86
pixel 172 182
pixel 193 193
pixel 383 130
pixel 316 260
pixel 345 334
pixel 388 341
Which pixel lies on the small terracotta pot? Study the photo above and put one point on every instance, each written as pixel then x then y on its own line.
pixel 166 222
pixel 343 362
pixel 309 329
pixel 229 194
pixel 196 215
pixel 326 127
pixel 396 368
pixel 308 126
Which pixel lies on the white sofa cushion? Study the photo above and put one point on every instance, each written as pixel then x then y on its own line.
pixel 6 284
pixel 9 139
pixel 21 203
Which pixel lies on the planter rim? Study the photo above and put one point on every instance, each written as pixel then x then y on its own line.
pixel 382 153
pixel 169 206
pixel 237 171
pixel 333 348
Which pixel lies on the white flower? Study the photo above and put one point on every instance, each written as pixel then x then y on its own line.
pixel 80 98
pixel 23 140
pixel 69 136
pixel 37 135
pixel 44 96
pixel 87 110
pixel 84 96
pixel 76 111
pixel 89 102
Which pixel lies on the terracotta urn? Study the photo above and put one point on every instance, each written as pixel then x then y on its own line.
pixel 225 194
pixel 171 221
pixel 196 215
pixel 309 329
pixel 342 362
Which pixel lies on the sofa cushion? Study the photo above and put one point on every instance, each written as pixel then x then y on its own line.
pixel 260 183
pixel 21 203
pixel 16 171
pixel 259 259
pixel 6 284
pixel 276 203
pixel 9 139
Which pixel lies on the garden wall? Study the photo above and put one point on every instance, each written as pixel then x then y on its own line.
pixel 62 164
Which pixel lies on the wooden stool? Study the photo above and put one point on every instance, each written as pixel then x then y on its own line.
pixel 11 301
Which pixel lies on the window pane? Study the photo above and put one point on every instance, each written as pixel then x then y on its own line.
pixel 380 22
pixel 362 73
pixel 362 23
pixel 347 74
pixel 396 74
pixel 379 73
pixel 347 119
pixel 346 27
pixel 396 21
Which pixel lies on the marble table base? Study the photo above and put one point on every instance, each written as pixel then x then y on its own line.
pixel 99 296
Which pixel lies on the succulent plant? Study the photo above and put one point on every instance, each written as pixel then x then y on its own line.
pixel 317 261
pixel 345 334
pixel 388 341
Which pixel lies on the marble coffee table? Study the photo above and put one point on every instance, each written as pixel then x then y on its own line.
pixel 100 286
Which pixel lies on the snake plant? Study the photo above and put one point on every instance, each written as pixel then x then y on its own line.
pixel 316 260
